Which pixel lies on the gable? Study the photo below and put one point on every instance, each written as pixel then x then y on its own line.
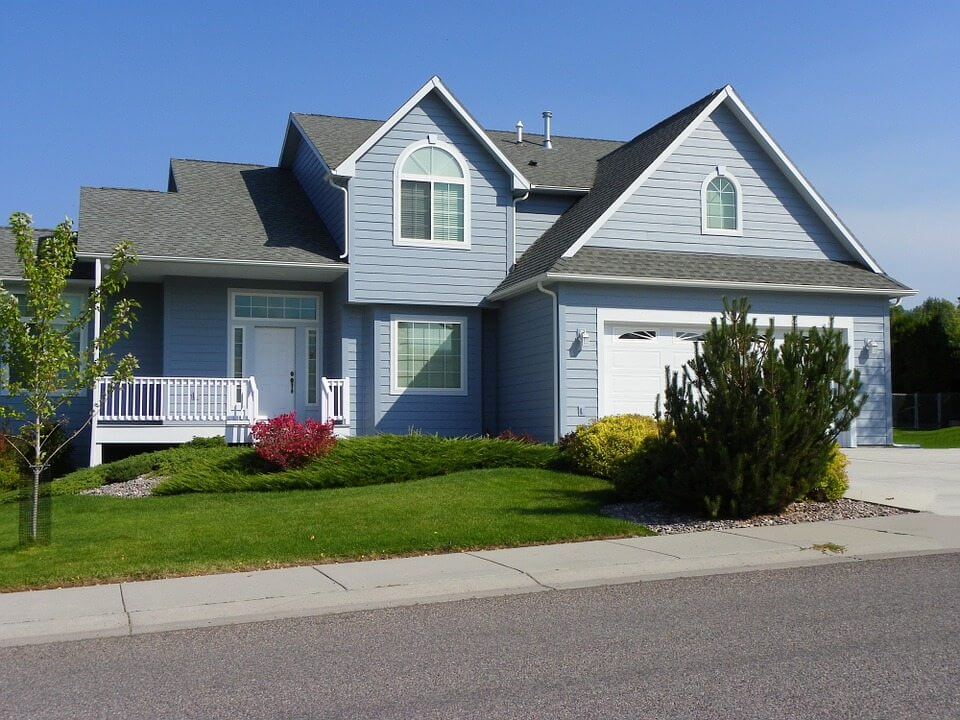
pixel 382 271
pixel 664 213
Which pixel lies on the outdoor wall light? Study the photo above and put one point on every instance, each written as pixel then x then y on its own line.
pixel 870 346
pixel 583 337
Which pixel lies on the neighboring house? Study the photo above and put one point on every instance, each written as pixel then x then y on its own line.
pixel 422 273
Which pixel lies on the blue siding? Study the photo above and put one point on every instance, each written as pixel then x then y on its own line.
pixel 579 305
pixel 326 200
pixel 664 213
pixel 536 214
pixel 525 365
pixel 448 415
pixel 145 342
pixel 381 272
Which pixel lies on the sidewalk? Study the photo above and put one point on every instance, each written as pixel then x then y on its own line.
pixel 178 603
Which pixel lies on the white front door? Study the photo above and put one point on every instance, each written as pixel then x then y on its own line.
pixel 274 367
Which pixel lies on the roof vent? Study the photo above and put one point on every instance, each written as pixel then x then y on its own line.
pixel 547 115
pixel 519 131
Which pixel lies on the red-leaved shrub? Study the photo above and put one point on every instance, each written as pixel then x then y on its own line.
pixel 526 438
pixel 286 443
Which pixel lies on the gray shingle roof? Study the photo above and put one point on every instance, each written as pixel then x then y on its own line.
pixel 609 262
pixel 615 172
pixel 571 162
pixel 9 264
pixel 220 210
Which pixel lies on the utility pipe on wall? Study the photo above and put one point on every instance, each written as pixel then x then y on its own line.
pixel 556 360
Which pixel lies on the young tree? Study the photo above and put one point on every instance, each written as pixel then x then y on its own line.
pixel 47 368
pixel 753 424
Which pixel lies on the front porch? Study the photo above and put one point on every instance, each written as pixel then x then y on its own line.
pixel 171 410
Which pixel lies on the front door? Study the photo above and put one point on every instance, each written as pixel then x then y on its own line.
pixel 274 366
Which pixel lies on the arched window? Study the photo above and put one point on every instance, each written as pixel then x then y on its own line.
pixel 432 201
pixel 721 202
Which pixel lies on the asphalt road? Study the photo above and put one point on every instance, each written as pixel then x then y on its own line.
pixel 863 640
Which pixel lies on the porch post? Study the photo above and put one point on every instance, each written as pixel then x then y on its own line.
pixel 97 279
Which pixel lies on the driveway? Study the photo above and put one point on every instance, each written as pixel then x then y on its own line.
pixel 910 478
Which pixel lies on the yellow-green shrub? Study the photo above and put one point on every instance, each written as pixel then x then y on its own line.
pixel 834 483
pixel 604 446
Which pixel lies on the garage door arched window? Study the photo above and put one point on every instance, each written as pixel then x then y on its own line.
pixel 432 197
pixel 721 204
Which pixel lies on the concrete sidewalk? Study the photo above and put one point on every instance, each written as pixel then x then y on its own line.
pixel 178 603
pixel 912 478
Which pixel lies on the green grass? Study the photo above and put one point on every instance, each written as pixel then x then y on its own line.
pixel 931 439
pixel 99 539
pixel 353 462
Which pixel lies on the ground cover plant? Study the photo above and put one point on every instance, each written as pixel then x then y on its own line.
pixel 352 462
pixel 102 538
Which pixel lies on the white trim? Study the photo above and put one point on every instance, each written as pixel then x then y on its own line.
pixel 348 167
pixel 674 282
pixel 224 261
pixel 243 351
pixel 699 318
pixel 318 385
pixel 740 111
pixel 395 389
pixel 651 169
pixel 399 176
pixel 721 172
pixel 265 292
pixel 97 279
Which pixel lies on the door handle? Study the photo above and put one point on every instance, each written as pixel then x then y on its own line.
pixel 292 379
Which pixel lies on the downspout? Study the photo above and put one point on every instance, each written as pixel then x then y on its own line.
pixel 346 215
pixel 556 360
pixel 515 201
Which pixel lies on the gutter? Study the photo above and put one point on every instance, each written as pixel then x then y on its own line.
pixel 513 257
pixel 556 359
pixel 346 214
pixel 221 261
pixel 675 282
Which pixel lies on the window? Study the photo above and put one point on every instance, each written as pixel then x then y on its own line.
pixel 433 201
pixel 275 307
pixel 238 352
pixel 689 336
pixel 722 206
pixel 312 363
pixel 428 355
pixel 639 335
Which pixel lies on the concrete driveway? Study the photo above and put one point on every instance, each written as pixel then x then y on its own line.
pixel 912 478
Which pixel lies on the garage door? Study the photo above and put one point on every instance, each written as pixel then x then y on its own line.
pixel 634 359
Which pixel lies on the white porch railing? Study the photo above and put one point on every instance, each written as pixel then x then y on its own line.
pixel 335 400
pixel 177 400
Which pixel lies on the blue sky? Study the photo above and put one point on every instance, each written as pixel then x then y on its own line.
pixel 863 96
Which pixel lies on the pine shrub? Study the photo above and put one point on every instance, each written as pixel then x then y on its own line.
pixel 754 423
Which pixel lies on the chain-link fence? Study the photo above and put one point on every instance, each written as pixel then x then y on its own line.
pixel 926 411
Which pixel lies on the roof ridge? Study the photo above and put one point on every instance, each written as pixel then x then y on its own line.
pixel 219 162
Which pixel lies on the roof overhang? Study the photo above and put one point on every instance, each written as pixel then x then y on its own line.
pixel 154 268
pixel 348 167
pixel 531 283
pixel 733 102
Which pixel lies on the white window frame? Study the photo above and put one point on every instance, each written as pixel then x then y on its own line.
pixel 719 172
pixel 399 176
pixel 249 322
pixel 84 335
pixel 395 321
pixel 316 365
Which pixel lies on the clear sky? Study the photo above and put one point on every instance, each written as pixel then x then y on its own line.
pixel 864 97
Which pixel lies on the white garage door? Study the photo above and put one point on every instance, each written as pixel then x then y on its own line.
pixel 634 359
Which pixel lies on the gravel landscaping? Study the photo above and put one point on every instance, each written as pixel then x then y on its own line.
pixel 139 487
pixel 662 520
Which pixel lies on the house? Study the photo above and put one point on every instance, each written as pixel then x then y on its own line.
pixel 425 273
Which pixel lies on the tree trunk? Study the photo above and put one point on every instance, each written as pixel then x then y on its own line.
pixel 35 490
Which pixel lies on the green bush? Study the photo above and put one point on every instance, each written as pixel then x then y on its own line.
pixel 217 441
pixel 353 462
pixel 645 473
pixel 602 447
pixel 755 422
pixel 10 471
pixel 56 436
pixel 834 482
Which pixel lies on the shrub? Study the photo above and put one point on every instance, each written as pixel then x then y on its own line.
pixel 353 462
pixel 834 482
pixel 56 436
pixel 644 473
pixel 217 441
pixel 10 469
pixel 755 423
pixel 525 438
pixel 605 445
pixel 286 443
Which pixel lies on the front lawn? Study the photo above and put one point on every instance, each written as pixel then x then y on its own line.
pixel 930 439
pixel 99 539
